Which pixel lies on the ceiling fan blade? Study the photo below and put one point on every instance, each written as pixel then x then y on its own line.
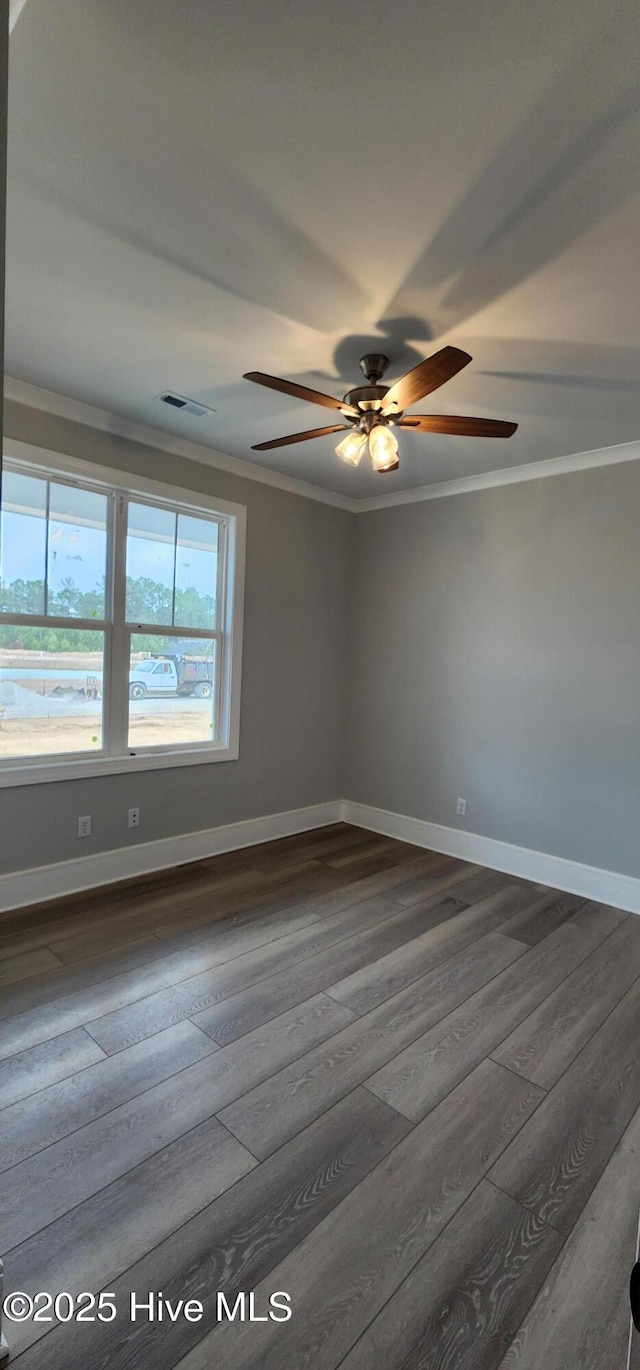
pixel 464 427
pixel 425 377
pixel 300 437
pixel 300 392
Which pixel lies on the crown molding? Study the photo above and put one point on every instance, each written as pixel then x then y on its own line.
pixel 512 475
pixel 64 407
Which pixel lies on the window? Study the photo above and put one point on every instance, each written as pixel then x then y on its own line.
pixel 119 625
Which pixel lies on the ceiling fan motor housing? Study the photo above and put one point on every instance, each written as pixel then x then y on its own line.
pixel 369 399
pixel 373 365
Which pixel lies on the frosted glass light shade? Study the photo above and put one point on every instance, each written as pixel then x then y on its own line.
pixel 351 448
pixel 383 449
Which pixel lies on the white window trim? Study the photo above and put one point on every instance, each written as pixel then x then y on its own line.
pixel 39 771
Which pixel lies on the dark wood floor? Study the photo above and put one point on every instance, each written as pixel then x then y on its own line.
pixel 403 1089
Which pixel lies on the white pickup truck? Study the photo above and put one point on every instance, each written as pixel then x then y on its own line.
pixel 171 675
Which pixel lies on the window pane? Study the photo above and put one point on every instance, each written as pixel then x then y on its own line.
pixel 23 539
pixel 77 552
pixel 151 539
pixel 171 691
pixel 196 572
pixel 50 691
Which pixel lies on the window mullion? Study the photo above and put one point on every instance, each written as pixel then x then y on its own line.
pixel 221 722
pixel 117 691
pixel 46 548
pixel 175 563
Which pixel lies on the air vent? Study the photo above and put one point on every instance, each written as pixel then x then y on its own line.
pixel 181 402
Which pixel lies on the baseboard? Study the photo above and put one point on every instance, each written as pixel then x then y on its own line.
pixel 607 887
pixel 103 868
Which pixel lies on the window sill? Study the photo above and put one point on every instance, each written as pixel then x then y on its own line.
pixel 90 768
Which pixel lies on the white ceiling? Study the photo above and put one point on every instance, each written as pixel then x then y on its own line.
pixel 203 188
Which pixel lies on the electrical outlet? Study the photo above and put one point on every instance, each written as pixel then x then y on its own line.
pixel 134 818
pixel 84 826
pixel 461 807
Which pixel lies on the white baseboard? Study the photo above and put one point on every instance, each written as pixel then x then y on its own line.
pixel 69 877
pixel 103 868
pixel 606 887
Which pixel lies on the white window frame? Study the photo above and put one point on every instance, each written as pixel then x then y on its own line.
pixel 228 633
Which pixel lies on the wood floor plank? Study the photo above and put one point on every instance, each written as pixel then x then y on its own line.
pixel 382 883
pixel 230 894
pixel 273 1112
pixel 373 846
pixel 581 1317
pixel 316 847
pixel 600 918
pixel 233 1017
pixel 115 910
pixel 233 1243
pixel 42 1188
pixel 192 997
pixel 463 1302
pixel 446 872
pixel 417 1078
pixel 271 986
pixel 197 908
pixel 239 932
pixel 49 985
pixel 400 852
pixel 342 1274
pixel 34 1123
pixel 78 909
pixel 101 1237
pixel 73 1010
pixel 292 892
pixel 548 1040
pixel 311 843
pixel 234 935
pixel 100 1151
pixel 73 950
pixel 551 911
pixel 472 888
pixel 230 936
pixel 557 1162
pixel 33 1070
pixel 387 975
pixel 27 963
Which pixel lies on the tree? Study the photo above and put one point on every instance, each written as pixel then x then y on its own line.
pixel 147 602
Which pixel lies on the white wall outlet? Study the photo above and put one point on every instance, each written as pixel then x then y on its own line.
pixel 134 818
pixel 461 807
pixel 84 826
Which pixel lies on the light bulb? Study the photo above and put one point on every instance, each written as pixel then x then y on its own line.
pixel 352 447
pixel 383 449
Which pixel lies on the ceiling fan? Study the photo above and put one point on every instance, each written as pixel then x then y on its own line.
pixel 371 411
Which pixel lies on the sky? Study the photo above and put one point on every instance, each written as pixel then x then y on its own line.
pixel 78 551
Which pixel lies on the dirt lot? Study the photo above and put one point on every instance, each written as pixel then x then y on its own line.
pixel 61 661
pixel 47 737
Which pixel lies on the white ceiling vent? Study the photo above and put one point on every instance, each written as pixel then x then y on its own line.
pixel 176 401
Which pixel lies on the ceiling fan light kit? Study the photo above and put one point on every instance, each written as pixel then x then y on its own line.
pixel 370 411
pixel 383 449
pixel 351 448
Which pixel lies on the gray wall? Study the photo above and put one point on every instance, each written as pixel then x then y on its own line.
pixel 293 710
pixel 4 75
pixel 496 656
pixel 485 645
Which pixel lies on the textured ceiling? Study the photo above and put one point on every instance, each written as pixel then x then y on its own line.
pixel 199 189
